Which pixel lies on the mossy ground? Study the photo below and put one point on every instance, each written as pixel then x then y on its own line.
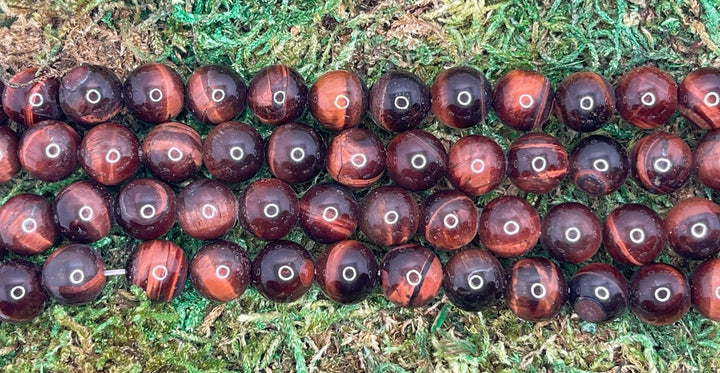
pixel 122 331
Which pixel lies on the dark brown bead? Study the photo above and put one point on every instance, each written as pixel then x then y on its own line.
pixel 154 93
pixel 3 116
pixel 9 161
pixel 233 152
pixel 693 228
pixel 705 286
pixel 473 279
pixel 215 94
pixel 599 165
pixel 145 208
pixel 461 97
pixel 410 276
pixel 449 220
pixel 389 216
pixel 537 289
pixel 347 272
pixel 570 232
pixel 90 95
pixel 268 209
pixel 706 158
pixel 416 160
pixel 48 150
pixel 295 153
pixel 634 234
pixel 355 158
pixel 172 152
pixel 109 153
pixel 21 293
pixel 523 99
pixel 509 227
pixel 646 97
pixel 661 162
pixel 83 211
pixel 399 101
pixel 277 94
pixel 328 213
pixel 74 274
pixel 659 294
pixel 27 102
pixel 598 292
pixel 476 165
pixel 585 101
pixel 338 100
pixel 537 163
pixel 26 225
pixel 699 97
pixel 206 209
pixel 220 271
pixel 160 268
pixel 283 271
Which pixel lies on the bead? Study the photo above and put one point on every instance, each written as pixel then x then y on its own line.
pixel 9 161
pixel 3 116
pixel 215 94
pixel 659 294
pixel 585 101
pixel 389 216
pixel 328 213
pixel 537 289
pixel 399 101
pixel 83 212
pixel 410 276
pixel 699 98
pixel 109 153
pixel 145 208
pixel 599 165
pixel 48 150
pixel 338 100
pixel 347 272
pixel 693 228
pixel 233 152
pixel 74 274
pixel 154 93
pixel 31 103
pixel 537 163
pixel 277 94
pixel 461 97
pixel 295 153
pixel 473 279
pixel 416 160
pixel 90 95
pixel 598 292
pixel 646 97
pixel 283 271
pixel 634 234
pixel 355 158
pixel 476 165
pixel 661 162
pixel 449 220
pixel 522 99
pixel 21 294
pixel 159 267
pixel 706 158
pixel 26 225
pixel 509 227
pixel 269 209
pixel 220 271
pixel 172 152
pixel 705 287
pixel 570 232
pixel 206 209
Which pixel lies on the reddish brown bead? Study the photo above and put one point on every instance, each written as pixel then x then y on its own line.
pixel 416 160
pixel 215 94
pixel 634 234
pixel 295 153
pixel 90 95
pixel 3 116
pixel 283 271
pixel 109 153
pixel 328 213
pixel 661 162
pixel 537 163
pixel 338 100
pixel 476 165
pixel 220 271
pixel 449 220
pixel 83 211
pixel 48 150
pixel 347 272
pixel 9 161
pixel 473 279
pixel 154 93
pixel 206 209
pixel 410 276
pixel 523 99
pixel 570 232
pixel 74 274
pixel 399 101
pixel 31 102
pixel 509 227
pixel 585 101
pixel 599 165
pixel 172 152
pixel 159 267
pixel 699 97
pixel 355 158
pixel 598 292
pixel 646 97
pixel 706 158
pixel 389 216
pixel 145 208
pixel 537 289
pixel 26 225
pixel 268 209
pixel 277 94
pixel 693 228
pixel 21 293
pixel 659 294
pixel 233 152
pixel 705 286
pixel 461 97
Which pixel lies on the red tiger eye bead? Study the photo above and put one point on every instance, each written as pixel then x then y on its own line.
pixel 31 103
pixel 461 97
pixel 693 228
pixel 109 153
pixel 277 94
pixel 206 209
pixel 90 95
pixel 145 208
pixel 283 271
pixel 416 160
pixel 476 165
pixel 83 211
pixel 215 94
pixel 21 293
pixel 26 225
pixel 509 227
pixel 598 292
pixel 634 234
pixel 537 289
pixel 585 101
pixel 355 158
pixel 699 97
pixel 537 163
pixel 647 97
pixel 523 99
pixel 399 101
pixel 172 152
pixel 268 209
pixel 338 100
pixel 328 213
pixel 659 294
pixel 233 152
pixel 154 93
pixel 160 268
pixel 295 153
pixel 473 279
pixel 9 161
pixel 48 150
pixel 410 276
pixel 599 165
pixel 449 220
pixel 347 272
pixel 389 216
pixel 706 158
pixel 570 232
pixel 661 162
pixel 705 288
pixel 220 271
pixel 74 274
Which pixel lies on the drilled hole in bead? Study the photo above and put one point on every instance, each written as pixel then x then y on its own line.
pixel 699 230
pixel 155 95
pixel 286 273
pixel 29 225
pixel 342 102
pixel 279 97
pixel 662 165
pixel 712 99
pixel 418 161
pixel 413 277
pixel 36 100
pixel 297 154
pixel 538 290
pixel 648 99
pixel 476 281
pixel 477 166
pixel 663 294
pixel 464 98
pixel 349 273
pixel 112 156
pixel 222 272
pixel 17 293
pixel 539 164
pixel 218 95
pixel 511 227
pixel 93 96
pixel 236 153
pixel 587 103
pixel 77 277
pixel 637 235
pixel 391 217
pixel 147 211
pixel 573 234
pixel 52 150
pixel 451 221
pixel 174 154
pixel 602 293
pixel 271 210
pixel 160 272
pixel 358 160
pixel 401 102
pixel 209 211
pixel 717 292
pixel 601 165
pixel 526 101
pixel 330 213
pixel 86 213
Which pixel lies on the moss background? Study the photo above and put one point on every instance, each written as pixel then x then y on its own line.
pixel 122 331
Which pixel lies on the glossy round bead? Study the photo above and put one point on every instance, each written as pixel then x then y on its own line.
pixel 220 271
pixel 233 152
pixel 598 292
pixel 48 150
pixel 693 228
pixel 537 163
pixel 473 279
pixel 283 271
pixel 659 294
pixel 31 103
pixel 705 286
pixel 328 213
pixel 355 158
pixel 389 216
pixel 522 99
pixel 215 94
pixel 9 161
pixel 410 276
pixel 145 208
pixel 206 209
pixel 706 158
pixel 585 101
pixel 109 153
pixel 277 94
pixel 338 100
pixel 26 225
pixel 347 272
pixel 570 232
pixel 449 220
pixel 476 165
pixel 172 152
pixel 661 162
pixel 90 95
pixel 269 209
pixel 160 268
pixel 599 165
pixel 699 97
pixel 461 97
pixel 509 227
pixel 83 211
pixel 399 101
pixel 154 93
pixel 21 293
pixel 634 234
pixel 416 160
pixel 646 97
pixel 74 274
pixel 537 289
pixel 295 153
